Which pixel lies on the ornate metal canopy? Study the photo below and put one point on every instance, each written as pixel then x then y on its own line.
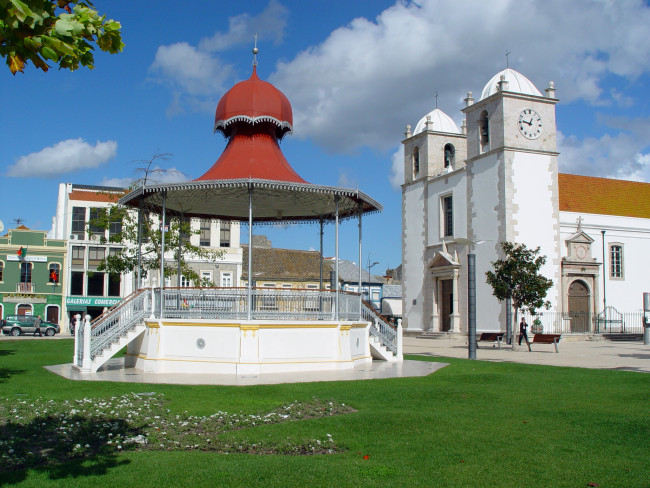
pixel 273 201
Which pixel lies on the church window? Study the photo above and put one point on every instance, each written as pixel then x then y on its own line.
pixel 447 216
pixel 484 131
pixel 450 155
pixel 616 261
pixel 416 160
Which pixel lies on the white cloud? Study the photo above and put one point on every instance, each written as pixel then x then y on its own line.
pixel 370 78
pixel 189 70
pixel 196 75
pixel 64 157
pixel 619 156
pixel 396 177
pixel 268 24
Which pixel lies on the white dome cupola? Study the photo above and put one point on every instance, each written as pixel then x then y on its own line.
pixel 439 122
pixel 512 81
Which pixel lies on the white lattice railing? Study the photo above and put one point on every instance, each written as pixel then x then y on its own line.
pixel 608 322
pixel 111 325
pixel 386 333
pixel 228 303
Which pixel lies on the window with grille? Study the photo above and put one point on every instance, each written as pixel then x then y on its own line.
pixel 77 259
pixel 204 238
pixel 616 261
pixel 55 272
pixel 95 219
pixel 78 221
pixel 116 223
pixel 25 272
pixel 226 279
pixel 96 256
pixel 224 234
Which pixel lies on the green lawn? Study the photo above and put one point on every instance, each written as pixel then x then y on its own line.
pixel 471 424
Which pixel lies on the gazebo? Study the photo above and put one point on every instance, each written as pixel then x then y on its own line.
pixel 245 330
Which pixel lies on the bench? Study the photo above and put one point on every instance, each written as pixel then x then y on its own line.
pixel 545 339
pixel 490 337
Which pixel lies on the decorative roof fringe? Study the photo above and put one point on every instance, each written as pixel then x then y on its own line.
pixel 253 120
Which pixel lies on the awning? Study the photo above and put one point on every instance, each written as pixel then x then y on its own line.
pixel 391 307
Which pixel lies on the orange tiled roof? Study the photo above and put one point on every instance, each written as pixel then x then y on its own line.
pixel 588 194
pixel 284 264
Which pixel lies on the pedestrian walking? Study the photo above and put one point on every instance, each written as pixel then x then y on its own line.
pixel 522 330
pixel 37 326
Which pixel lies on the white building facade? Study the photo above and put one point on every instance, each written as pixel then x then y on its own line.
pixel 494 180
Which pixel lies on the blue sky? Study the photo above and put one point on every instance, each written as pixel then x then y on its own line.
pixel 356 74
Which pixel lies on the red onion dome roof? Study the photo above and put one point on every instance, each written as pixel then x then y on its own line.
pixel 254 101
pixel 252 153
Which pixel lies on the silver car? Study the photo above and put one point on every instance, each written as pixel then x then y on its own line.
pixel 16 325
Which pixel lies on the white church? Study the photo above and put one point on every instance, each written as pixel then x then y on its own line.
pixel 496 179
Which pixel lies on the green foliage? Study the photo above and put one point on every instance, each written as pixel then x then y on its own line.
pixel 125 222
pixel 517 276
pixel 61 31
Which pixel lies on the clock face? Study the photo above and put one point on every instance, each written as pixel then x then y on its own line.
pixel 530 124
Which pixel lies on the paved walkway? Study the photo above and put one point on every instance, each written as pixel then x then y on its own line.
pixel 599 354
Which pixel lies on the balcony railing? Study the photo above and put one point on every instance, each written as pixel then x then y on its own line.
pixel 25 288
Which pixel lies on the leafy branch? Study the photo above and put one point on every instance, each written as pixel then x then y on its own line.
pixel 62 31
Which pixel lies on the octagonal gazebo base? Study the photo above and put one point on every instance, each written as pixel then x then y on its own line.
pixel 249 347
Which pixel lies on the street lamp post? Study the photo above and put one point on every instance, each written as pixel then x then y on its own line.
pixel 369 267
pixel 471 295
pixel 471 305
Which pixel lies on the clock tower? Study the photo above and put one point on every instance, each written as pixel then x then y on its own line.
pixel 512 173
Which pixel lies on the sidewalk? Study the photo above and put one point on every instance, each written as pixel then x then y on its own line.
pixel 602 354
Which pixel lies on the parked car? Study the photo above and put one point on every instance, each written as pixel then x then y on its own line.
pixel 16 325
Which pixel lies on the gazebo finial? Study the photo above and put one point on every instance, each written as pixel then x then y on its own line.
pixel 255 51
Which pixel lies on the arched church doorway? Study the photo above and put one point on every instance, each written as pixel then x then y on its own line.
pixel 579 307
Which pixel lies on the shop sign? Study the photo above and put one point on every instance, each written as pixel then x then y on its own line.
pixel 33 259
pixel 92 301
pixel 24 299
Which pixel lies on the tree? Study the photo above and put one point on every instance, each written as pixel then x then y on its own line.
pixel 517 277
pixel 122 224
pixel 56 30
